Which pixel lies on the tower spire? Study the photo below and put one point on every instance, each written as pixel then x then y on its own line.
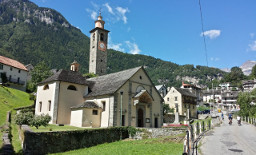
pixel 99 22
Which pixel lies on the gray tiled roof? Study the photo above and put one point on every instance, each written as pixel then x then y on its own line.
pixel 66 76
pixel 87 104
pixel 185 92
pixel 108 84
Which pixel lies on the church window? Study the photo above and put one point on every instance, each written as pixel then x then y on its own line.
pixel 19 70
pixel 49 105
pixel 93 37
pixel 95 112
pixel 101 37
pixel 40 106
pixel 176 98
pixel 141 77
pixel 103 105
pixel 167 98
pixel 71 87
pixel 10 68
pixel 46 87
pixel 1 66
pixel 123 120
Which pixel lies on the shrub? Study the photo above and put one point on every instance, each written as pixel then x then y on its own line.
pixel 40 120
pixel 23 118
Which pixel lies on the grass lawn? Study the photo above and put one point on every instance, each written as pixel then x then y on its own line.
pixel 166 145
pixel 1 142
pixel 52 127
pixel 16 143
pixel 10 99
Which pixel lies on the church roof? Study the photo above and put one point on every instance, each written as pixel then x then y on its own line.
pixel 185 92
pixel 110 83
pixel 66 76
pixel 87 104
pixel 11 62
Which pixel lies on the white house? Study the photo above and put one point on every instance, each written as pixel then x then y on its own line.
pixel 13 73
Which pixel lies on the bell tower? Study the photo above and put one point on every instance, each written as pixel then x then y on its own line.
pixel 98 48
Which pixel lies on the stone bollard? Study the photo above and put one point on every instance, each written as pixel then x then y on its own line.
pixel 195 131
pixel 200 127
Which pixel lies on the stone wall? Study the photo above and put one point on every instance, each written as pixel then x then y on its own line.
pixel 145 133
pixel 53 142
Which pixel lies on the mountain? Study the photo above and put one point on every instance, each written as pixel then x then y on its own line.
pixel 247 67
pixel 31 34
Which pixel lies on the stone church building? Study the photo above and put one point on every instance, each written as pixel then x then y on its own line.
pixel 125 98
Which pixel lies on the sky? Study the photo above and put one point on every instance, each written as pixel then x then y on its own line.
pixel 171 30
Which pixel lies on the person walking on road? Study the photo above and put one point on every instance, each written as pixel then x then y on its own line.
pixel 238 120
pixel 230 118
pixel 222 116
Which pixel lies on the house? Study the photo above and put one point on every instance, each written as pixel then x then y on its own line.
pixel 125 98
pixel 249 85
pixel 182 99
pixel 212 95
pixel 162 90
pixel 229 99
pixel 13 73
pixel 194 90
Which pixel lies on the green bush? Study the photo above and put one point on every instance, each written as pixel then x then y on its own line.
pixel 23 118
pixel 40 120
pixel 28 118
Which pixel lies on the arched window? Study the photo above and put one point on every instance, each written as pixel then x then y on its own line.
pixel 46 87
pixel 71 87
pixel 101 37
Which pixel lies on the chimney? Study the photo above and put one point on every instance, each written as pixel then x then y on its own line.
pixel 74 66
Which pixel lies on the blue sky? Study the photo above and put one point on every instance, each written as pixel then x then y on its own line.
pixel 171 29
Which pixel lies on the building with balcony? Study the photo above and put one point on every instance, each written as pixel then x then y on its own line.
pixel 13 73
pixel 249 85
pixel 183 101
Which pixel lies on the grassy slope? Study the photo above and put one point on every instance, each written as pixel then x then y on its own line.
pixel 147 146
pixel 10 99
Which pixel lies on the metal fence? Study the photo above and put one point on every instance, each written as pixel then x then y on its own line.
pixel 195 132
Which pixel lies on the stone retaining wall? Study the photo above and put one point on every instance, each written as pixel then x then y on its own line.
pixel 53 142
pixel 157 132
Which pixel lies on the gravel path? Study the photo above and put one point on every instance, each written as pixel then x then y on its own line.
pixel 230 140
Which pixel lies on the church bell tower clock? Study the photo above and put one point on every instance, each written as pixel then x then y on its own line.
pixel 98 48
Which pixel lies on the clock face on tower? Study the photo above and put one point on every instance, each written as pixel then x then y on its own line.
pixel 102 46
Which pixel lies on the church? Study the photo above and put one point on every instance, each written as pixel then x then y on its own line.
pixel 125 98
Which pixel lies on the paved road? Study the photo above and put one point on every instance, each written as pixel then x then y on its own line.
pixel 230 140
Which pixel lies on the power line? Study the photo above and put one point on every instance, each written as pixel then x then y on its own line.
pixel 202 23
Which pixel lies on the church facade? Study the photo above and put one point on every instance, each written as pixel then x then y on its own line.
pixel 125 98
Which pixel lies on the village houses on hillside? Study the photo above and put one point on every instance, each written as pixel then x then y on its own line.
pixel 125 98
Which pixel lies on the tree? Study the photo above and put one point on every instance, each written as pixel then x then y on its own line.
pixel 89 75
pixel 23 118
pixel 39 73
pixel 167 109
pixel 40 120
pixel 244 100
pixel 235 76
pixel 253 73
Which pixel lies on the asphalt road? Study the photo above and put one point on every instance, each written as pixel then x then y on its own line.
pixel 230 140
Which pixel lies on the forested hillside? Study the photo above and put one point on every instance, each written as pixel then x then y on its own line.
pixel 31 34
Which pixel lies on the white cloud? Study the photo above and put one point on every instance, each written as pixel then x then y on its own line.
pixel 110 10
pixel 133 47
pixel 214 59
pixel 121 13
pixel 253 46
pixel 212 34
pixel 116 47
pixel 92 13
